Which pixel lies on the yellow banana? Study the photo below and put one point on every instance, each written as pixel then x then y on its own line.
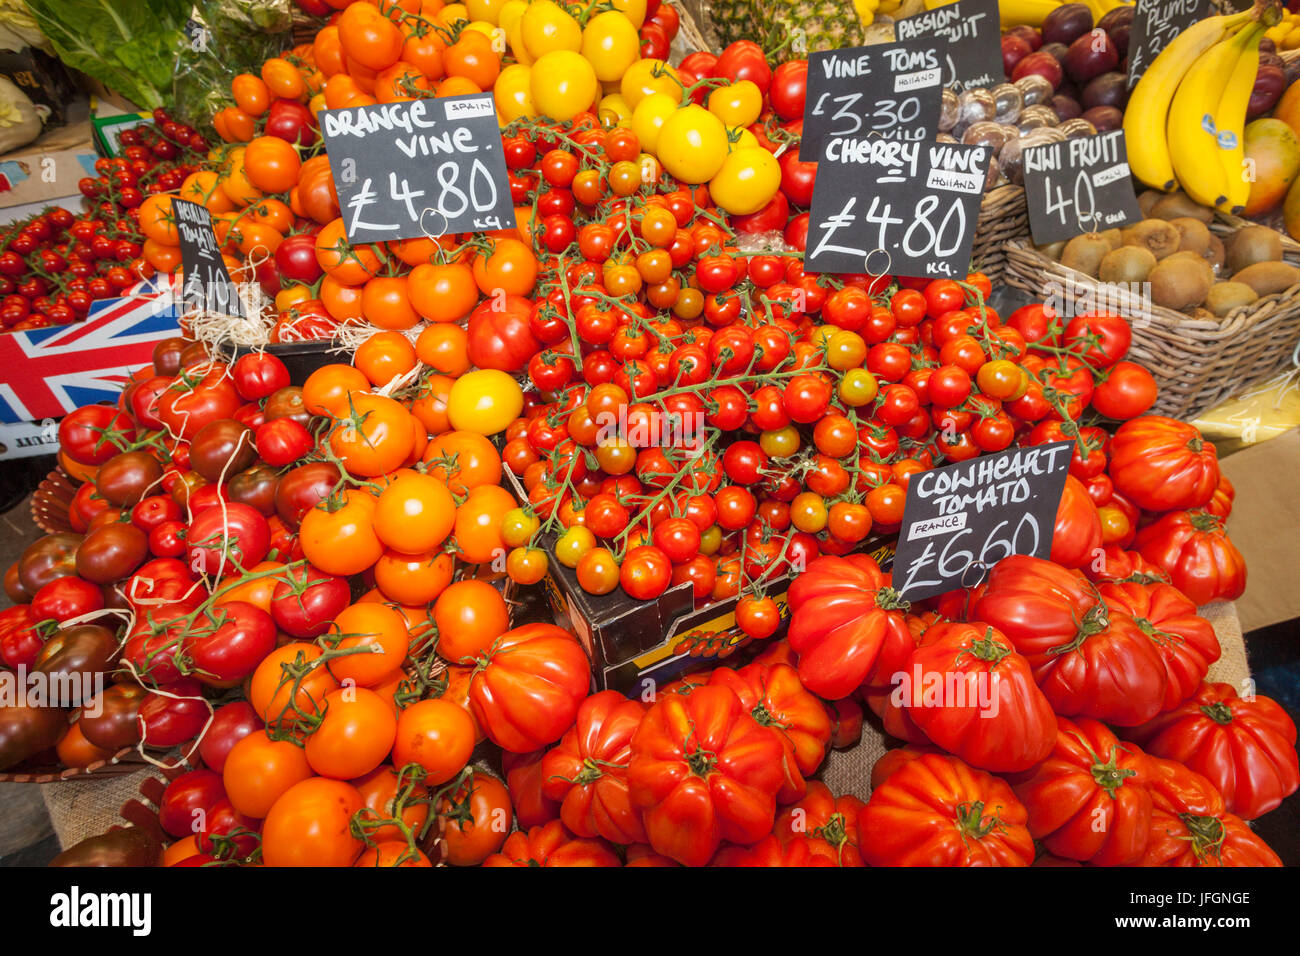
pixel 1192 130
pixel 1148 106
pixel 1230 118
pixel 1032 12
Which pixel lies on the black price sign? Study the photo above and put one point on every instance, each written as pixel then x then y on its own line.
pixel 1155 24
pixel 973 56
pixel 962 519
pixel 890 90
pixel 422 168
pixel 887 206
pixel 207 282
pixel 1080 185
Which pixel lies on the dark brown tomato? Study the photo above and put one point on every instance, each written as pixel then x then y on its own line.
pixel 167 355
pixel 193 354
pixel 83 650
pixel 222 447
pixel 14 589
pixel 287 403
pixel 48 559
pixel 109 720
pixel 256 488
pixel 125 479
pixel 112 552
pixel 27 731
pixel 303 488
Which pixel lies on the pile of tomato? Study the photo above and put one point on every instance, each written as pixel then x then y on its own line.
pixel 54 265
pixel 298 589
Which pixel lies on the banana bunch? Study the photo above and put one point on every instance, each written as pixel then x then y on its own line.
pixel 1184 120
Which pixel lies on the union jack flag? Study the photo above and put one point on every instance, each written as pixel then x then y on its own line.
pixel 46 373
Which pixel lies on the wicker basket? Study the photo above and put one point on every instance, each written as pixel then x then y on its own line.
pixel 1004 216
pixel 1196 362
pixel 126 760
pixel 52 500
pixel 1225 224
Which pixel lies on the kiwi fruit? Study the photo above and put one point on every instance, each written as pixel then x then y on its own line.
pixel 1196 236
pixel 1084 253
pixel 1226 296
pixel 1252 244
pixel 1157 235
pixel 1114 236
pixel 1215 254
pixel 1177 205
pixel 1268 277
pixel 1052 250
pixel 1180 281
pixel 1149 199
pixel 1126 264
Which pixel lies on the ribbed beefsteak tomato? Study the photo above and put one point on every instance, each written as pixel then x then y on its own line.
pixel 1190 827
pixel 847 625
pixel 704 771
pixel 1192 549
pixel 528 686
pixel 1162 464
pixel 1246 748
pixel 551 845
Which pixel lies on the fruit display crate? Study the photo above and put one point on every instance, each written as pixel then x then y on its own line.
pixel 1197 362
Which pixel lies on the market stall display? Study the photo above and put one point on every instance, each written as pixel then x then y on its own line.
pixel 585 533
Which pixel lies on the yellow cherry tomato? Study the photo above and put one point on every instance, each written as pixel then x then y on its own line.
pixel 693 145
pixel 548 28
pixel 649 76
pixel 648 118
pixel 513 93
pixel 614 109
pixel 747 181
pixel 563 84
pixel 610 43
pixel 738 104
pixel 484 401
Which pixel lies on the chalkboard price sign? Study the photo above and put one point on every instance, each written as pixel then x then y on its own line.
pixel 1080 185
pixel 973 55
pixel 887 206
pixel 207 282
pixel 1155 24
pixel 890 91
pixel 422 168
pixel 962 519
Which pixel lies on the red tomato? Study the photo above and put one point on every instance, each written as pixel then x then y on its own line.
pixel 1192 548
pixel 1191 827
pixel 1162 464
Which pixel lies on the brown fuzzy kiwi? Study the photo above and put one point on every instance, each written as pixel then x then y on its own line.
pixel 1268 277
pixel 1178 282
pixel 1084 253
pixel 1154 234
pixel 1196 235
pixel 1114 236
pixel 1148 199
pixel 1052 250
pixel 1252 244
pixel 1226 296
pixel 1215 254
pixel 1127 264
pixel 1179 204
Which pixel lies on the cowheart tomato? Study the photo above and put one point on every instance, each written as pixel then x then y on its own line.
pixel 1201 561
pixel 1245 747
pixel 987 710
pixel 775 698
pixel 586 772
pixel 937 811
pixel 704 771
pixel 846 624
pixel 551 845
pixel 527 689
pixel 827 824
pixel 1162 464
pixel 1077 537
pixel 1191 827
pixel 1089 800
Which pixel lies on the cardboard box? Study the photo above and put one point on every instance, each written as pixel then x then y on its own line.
pixel 42 175
pixel 1263 524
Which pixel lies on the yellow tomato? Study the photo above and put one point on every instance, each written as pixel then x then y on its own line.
pixel 287 298
pixel 512 21
pixel 649 76
pixel 614 109
pixel 489 30
pixel 692 145
pixel 741 138
pixel 547 28
pixel 610 43
pixel 634 10
pixel 563 84
pixel 484 401
pixel 489 10
pixel 648 118
pixel 738 104
pixel 513 93
pixel 452 13
pixel 747 181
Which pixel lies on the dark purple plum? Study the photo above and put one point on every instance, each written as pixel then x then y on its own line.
pixel 1066 23
pixel 1105 118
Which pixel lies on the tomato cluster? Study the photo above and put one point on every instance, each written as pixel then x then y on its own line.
pixel 56 264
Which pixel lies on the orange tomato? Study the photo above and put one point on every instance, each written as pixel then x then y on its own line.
pixel 272 165
pixel 74 750
pixel 283 79
pixel 444 348
pixel 349 264
pixel 470 615
pixel 477 820
pixel 257 241
pixel 271 212
pixel 343 302
pixel 327 50
pixel 203 187
pixel 473 58
pixel 478 523
pixel 511 267
pixel 415 513
pixel 311 823
pixel 413 579
pixel 436 734
pixel 379 791
pixel 385 303
pixel 272 692
pixel 341 541
pixel 355 736
pixel 326 390
pixel 464 460
pixel 444 292
pixel 393 853
pixel 384 356
pixel 257 592
pixel 424 52
pixel 181 850
pixel 376 627
pixel 369 37
pixel 251 94
pixel 374 435
pixel 163 258
pixel 430 404
pixel 258 770
pixel 401 82
pixel 457 86
pixel 158 221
